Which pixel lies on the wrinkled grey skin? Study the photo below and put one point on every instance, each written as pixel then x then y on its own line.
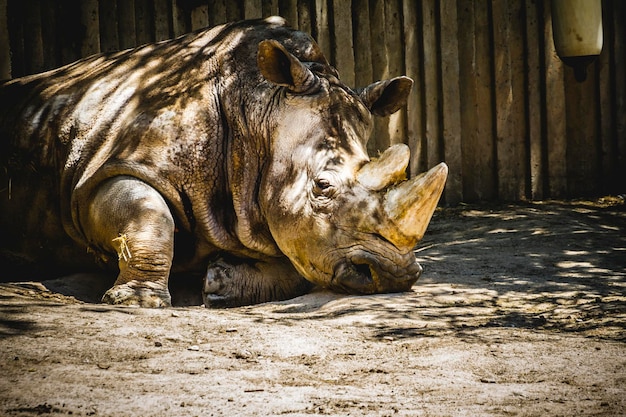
pixel 218 152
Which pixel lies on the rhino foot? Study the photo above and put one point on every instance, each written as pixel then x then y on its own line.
pixel 233 285
pixel 142 294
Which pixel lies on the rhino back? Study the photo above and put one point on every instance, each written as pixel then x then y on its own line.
pixel 161 112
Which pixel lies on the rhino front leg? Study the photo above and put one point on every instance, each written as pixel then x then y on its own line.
pixel 233 284
pixel 128 217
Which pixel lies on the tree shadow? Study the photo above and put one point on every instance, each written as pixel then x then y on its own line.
pixel 550 266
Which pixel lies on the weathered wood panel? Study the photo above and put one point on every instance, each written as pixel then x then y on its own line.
pixel 5 54
pixel 412 59
pixel 253 9
pixel 608 161
pixel 362 43
pixel 32 36
pixel 582 151
pixel 109 36
pixel 430 72
pixel 536 146
pixel 380 70
pixel 342 46
pixel 15 13
pixel 555 114
pixel 618 47
pixel 180 16
pixel 126 26
pixel 144 21
pixel 49 33
pixel 509 99
pixel 491 97
pixel 305 15
pixel 394 49
pixel 90 19
pixel 475 59
pixel 162 20
pixel 200 17
pixel 321 31
pixel 450 99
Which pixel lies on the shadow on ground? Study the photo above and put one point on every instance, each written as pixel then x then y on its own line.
pixel 550 266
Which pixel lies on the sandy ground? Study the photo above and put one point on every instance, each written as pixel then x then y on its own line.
pixel 521 311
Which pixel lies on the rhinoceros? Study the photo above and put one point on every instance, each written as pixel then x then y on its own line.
pixel 232 152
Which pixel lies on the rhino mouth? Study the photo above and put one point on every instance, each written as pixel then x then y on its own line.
pixel 363 273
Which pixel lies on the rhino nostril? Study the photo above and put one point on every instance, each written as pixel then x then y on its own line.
pixel 364 269
pixel 354 278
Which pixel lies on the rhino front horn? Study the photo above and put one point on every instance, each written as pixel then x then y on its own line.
pixel 410 205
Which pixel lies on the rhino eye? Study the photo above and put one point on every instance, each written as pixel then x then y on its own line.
pixel 323 187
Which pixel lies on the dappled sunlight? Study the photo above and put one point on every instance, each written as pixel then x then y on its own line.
pixel 553 266
pixel 496 231
pixel 547 267
pixel 517 267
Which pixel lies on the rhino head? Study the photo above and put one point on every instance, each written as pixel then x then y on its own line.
pixel 345 221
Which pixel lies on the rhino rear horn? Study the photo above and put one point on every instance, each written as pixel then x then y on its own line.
pixel 388 169
pixel 280 67
pixel 386 97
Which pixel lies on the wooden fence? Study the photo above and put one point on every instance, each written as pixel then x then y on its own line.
pixel 491 97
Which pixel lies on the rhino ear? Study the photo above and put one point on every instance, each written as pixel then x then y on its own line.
pixel 386 97
pixel 280 67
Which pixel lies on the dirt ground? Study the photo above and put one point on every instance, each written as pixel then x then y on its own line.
pixel 521 311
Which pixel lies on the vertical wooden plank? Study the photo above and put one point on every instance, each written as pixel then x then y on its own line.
pixel 510 99
pixel 270 8
pixel 144 21
pixel 430 71
pixel 234 11
pixel 179 18
pixel 109 38
pixel 253 9
pixel 555 113
pixel 15 10
pixel 126 25
pixel 305 17
pixel 608 158
pixel 533 92
pixel 486 184
pixel 289 10
pixel 70 35
pixel 394 47
pixel 162 20
pixel 450 100
pixel 394 41
pixel 49 31
pixel 468 88
pixel 580 108
pixel 380 67
pixel 411 30
pixel 200 17
pixel 90 20
pixel 342 41
pixel 362 45
pixel 476 87
pixel 619 63
pixel 320 31
pixel 380 70
pixel 5 49
pixel 217 12
pixel 33 44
